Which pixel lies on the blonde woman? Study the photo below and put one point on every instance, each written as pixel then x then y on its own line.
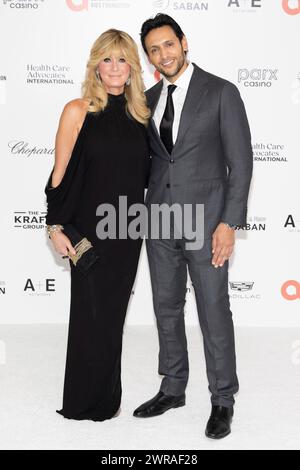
pixel 101 153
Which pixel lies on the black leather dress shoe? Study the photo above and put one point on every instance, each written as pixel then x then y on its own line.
pixel 218 425
pixel 158 405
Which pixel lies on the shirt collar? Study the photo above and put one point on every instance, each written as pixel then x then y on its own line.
pixel 183 81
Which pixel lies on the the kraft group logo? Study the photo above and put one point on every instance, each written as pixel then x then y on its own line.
pixel 290 290
pixel 291 7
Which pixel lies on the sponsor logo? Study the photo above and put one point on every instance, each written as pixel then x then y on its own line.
pixel 29 220
pixel 292 224
pixel 163 5
pixel 22 4
pixel 290 290
pixel 242 290
pixel 244 6
pixel 21 148
pixel 45 74
pixel 257 77
pixel 269 152
pixel 39 288
pixel 85 5
pixel 291 7
pixel 254 224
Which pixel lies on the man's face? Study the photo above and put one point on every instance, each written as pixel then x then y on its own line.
pixel 166 52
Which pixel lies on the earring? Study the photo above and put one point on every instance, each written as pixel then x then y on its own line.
pixel 128 81
pixel 98 76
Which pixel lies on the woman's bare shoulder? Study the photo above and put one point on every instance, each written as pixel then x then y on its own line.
pixel 74 113
pixel 76 107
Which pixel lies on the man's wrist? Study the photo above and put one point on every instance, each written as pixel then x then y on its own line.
pixel 231 226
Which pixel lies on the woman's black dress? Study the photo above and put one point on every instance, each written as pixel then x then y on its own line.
pixel 110 158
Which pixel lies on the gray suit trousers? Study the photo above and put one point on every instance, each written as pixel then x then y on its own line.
pixel 168 262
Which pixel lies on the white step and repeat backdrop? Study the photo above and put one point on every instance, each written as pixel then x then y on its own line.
pixel 44 49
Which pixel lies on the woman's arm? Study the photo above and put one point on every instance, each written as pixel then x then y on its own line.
pixel 70 123
pixel 69 127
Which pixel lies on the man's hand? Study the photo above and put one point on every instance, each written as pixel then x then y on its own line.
pixel 222 244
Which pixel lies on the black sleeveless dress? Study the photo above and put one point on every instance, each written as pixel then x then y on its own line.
pixel 110 159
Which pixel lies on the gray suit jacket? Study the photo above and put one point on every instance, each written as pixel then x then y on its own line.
pixel 211 162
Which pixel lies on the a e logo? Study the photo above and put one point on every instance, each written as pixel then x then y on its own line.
pixel 78 5
pixel 295 294
pixel 289 9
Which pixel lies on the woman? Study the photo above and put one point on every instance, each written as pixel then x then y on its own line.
pixel 101 154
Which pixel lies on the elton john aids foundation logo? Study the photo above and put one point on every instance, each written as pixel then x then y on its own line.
pixel 291 7
pixel 81 5
pixel 78 5
pixel 290 290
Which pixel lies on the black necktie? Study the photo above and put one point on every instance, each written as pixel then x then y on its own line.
pixel 166 124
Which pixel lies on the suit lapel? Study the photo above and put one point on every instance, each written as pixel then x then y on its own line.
pixel 153 99
pixel 192 103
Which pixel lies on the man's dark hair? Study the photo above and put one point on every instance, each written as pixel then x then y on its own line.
pixel 157 22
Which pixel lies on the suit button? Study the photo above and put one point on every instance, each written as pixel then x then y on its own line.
pixel 172 161
pixel 168 185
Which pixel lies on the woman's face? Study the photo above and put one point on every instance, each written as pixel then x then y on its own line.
pixel 114 71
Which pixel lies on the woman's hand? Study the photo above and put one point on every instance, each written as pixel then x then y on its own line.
pixel 62 243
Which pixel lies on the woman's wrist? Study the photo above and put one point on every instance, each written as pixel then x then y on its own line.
pixel 54 228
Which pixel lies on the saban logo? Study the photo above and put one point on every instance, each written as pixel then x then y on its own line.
pixel 291 7
pixel 161 4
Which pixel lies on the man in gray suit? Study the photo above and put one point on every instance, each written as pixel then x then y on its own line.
pixel 201 154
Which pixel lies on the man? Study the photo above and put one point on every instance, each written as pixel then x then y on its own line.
pixel 201 154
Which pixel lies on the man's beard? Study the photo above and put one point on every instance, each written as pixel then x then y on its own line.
pixel 181 62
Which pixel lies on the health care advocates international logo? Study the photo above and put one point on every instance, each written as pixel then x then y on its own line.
pixel 81 5
pixel 290 290
pixel 269 152
pixel 291 7
pixel 163 5
pixel 21 4
pixel 45 74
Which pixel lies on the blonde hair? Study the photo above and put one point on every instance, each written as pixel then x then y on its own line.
pixel 110 41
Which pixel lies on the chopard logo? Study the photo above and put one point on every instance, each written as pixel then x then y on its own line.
pixel 21 148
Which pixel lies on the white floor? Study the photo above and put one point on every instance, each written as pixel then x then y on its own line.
pixel 267 411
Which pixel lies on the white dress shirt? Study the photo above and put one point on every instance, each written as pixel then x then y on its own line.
pixel 178 95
